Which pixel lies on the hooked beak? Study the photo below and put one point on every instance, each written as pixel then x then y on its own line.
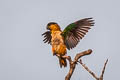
pixel 48 28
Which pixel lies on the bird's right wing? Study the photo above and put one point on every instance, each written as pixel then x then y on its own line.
pixel 47 37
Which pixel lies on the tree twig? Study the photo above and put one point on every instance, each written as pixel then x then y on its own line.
pixel 85 67
pixel 92 73
pixel 74 62
pixel 101 77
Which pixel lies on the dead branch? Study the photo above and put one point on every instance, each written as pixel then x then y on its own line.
pixel 92 73
pixel 101 77
pixel 72 64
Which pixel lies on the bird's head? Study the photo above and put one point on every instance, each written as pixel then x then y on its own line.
pixel 53 26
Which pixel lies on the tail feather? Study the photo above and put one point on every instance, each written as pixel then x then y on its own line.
pixel 62 62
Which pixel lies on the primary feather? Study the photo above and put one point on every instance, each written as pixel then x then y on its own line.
pixel 47 37
pixel 76 31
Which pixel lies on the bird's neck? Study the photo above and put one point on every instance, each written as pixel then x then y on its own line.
pixel 55 28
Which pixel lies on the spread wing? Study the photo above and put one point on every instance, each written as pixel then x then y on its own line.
pixel 74 32
pixel 47 37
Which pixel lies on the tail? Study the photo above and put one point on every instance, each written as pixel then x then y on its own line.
pixel 62 62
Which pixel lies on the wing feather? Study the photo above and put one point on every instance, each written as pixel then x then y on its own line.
pixel 47 37
pixel 74 32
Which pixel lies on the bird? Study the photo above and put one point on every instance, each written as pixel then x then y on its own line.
pixel 66 39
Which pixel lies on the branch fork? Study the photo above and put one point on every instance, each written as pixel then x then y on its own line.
pixel 72 64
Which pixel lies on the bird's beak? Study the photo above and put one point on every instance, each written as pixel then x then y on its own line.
pixel 48 28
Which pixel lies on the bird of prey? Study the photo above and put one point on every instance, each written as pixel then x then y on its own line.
pixel 66 39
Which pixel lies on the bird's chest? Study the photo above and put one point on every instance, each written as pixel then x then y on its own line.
pixel 57 38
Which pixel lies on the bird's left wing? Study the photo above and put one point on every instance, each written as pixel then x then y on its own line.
pixel 47 37
pixel 76 31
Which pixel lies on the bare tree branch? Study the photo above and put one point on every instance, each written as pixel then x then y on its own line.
pixel 101 77
pixel 92 73
pixel 72 64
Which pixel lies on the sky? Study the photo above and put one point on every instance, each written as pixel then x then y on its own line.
pixel 24 55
